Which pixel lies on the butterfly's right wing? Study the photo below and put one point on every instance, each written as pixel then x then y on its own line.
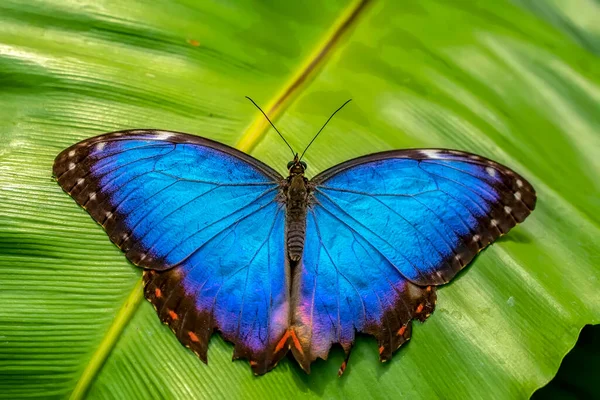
pixel 383 230
pixel 203 219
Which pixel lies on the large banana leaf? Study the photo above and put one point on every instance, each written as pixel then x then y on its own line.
pixel 514 81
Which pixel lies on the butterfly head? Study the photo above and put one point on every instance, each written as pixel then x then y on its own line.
pixel 296 167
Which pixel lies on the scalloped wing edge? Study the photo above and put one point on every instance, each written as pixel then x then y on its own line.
pixel 395 329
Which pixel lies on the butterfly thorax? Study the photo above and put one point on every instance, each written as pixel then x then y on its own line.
pixel 297 194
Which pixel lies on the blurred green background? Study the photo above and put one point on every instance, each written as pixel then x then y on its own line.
pixel 516 81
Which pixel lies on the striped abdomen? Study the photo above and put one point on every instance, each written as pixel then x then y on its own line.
pixel 295 221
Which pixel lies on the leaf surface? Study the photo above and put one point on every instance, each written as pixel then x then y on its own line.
pixel 513 81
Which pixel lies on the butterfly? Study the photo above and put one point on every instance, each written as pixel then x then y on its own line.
pixel 280 263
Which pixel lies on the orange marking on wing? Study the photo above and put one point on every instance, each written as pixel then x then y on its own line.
pixel 428 288
pixel 193 336
pixel 173 315
pixel 283 341
pixel 381 348
pixel 253 363
pixel 296 342
pixel 157 293
pixel 401 331
pixel 420 308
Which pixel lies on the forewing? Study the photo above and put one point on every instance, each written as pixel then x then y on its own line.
pixel 383 229
pixel 203 218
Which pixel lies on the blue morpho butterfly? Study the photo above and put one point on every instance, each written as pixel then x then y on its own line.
pixel 278 263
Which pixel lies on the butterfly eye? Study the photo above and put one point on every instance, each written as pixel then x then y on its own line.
pixel 304 164
pixel 290 164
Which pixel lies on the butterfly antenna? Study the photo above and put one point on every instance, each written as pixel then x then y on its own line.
pixel 286 142
pixel 313 139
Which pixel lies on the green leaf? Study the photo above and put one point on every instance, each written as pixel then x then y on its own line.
pixel 514 81
pixel 576 377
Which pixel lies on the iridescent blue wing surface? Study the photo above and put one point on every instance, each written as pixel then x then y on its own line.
pixel 205 222
pixel 383 230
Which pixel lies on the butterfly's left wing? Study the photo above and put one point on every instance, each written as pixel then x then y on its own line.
pixel 383 230
pixel 205 222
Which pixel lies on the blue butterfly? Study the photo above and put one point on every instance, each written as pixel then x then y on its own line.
pixel 277 263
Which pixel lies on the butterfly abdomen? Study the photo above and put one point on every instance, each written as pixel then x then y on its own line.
pixel 295 220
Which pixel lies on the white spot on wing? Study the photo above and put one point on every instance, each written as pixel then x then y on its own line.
pixel 519 183
pixel 71 166
pixel 494 223
pixel 100 146
pixel 507 209
pixel 430 153
pixel 108 215
pixel 490 171
pixel 92 195
pixel 71 153
pixel 80 181
pixel 518 195
pixel 476 238
pixel 163 136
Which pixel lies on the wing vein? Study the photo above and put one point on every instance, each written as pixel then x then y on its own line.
pixel 336 268
pixel 365 239
pixel 263 194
